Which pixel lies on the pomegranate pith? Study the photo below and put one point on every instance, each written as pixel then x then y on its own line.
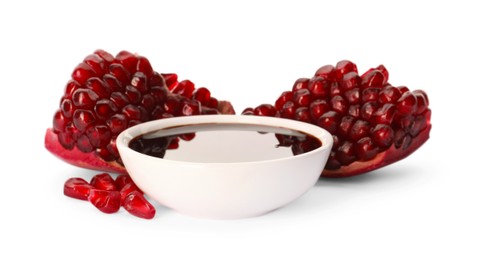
pixel 107 94
pixel 373 123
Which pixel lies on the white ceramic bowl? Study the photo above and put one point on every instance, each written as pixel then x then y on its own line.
pixel 228 182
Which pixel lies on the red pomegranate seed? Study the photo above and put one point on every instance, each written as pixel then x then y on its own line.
pixel 365 149
pixel 127 60
pixel 128 188
pixel 84 98
pixel 318 107
pixel 190 107
pixel 122 180
pixel 354 111
pixel 203 95
pixel 117 123
pixel 104 109
pixel 350 80
pixel 84 144
pixel 265 110
pixel 120 73
pixel 302 114
pixel 352 96
pixel 384 114
pixel 82 73
pixel 389 94
pixel 373 79
pixel 383 135
pixel 370 94
pixel 368 109
pixel 345 153
pixel 288 110
pixel 326 72
pixel 184 88
pixel 345 126
pixel 403 89
pixel 144 66
pixel 407 104
pixel 99 135
pixel 319 87
pixel 284 98
pixel 104 55
pixel 302 97
pixel 339 104
pixel 77 188
pixel 103 181
pixel 360 129
pixel 301 83
pixel 97 64
pixel 329 121
pixel 136 204
pixel 107 201
pixel 421 101
pixel 140 82
pixel 343 67
pixel 59 122
pixel 99 87
pixel 133 95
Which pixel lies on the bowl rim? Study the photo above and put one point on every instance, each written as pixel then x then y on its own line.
pixel 123 139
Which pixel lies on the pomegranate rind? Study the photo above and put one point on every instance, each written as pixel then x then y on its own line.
pixel 77 158
pixel 385 158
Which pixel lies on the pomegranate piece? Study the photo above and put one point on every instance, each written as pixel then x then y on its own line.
pixel 106 94
pixel 136 204
pixel 77 188
pixel 105 200
pixel 372 122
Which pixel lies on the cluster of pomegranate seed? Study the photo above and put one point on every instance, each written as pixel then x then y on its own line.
pixel 365 114
pixel 108 94
pixel 109 195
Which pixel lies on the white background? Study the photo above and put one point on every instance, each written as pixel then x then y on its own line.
pixel 428 206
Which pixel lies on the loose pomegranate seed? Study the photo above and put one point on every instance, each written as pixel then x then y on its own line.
pixel 128 189
pixel 122 180
pixel 77 188
pixel 137 205
pixel 106 201
pixel 103 181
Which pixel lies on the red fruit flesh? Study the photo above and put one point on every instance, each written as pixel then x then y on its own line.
pixel 77 188
pixel 372 122
pixel 103 181
pixel 108 94
pixel 136 204
pixel 105 200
